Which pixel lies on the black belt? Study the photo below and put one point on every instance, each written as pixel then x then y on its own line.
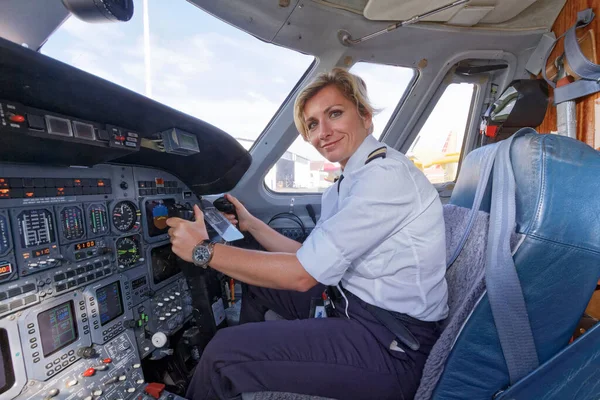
pixel 395 322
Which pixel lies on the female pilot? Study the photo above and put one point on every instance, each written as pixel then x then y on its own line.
pixel 379 241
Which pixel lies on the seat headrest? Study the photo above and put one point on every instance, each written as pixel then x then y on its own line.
pixel 554 175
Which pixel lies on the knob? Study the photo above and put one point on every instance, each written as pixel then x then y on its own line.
pixel 72 383
pixel 129 324
pixel 124 185
pixel 159 339
pixel 52 393
pixel 86 352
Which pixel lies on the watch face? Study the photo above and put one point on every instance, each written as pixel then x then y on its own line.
pixel 201 254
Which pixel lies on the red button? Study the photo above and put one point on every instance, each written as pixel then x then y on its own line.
pixel 107 360
pixel 89 372
pixel 17 118
pixel 155 389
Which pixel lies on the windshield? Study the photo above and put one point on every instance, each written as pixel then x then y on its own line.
pixel 177 54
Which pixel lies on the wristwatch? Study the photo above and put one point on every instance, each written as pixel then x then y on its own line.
pixel 203 253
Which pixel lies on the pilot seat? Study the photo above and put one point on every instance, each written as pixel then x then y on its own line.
pixel 556 255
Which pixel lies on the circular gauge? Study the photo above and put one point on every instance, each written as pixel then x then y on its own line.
pixel 128 251
pixel 124 216
pixel 98 219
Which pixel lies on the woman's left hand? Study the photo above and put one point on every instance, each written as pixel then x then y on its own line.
pixel 185 235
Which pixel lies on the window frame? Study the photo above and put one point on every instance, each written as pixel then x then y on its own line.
pixel 413 82
pixel 479 82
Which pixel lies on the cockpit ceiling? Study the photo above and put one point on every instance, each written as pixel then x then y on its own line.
pixel 503 14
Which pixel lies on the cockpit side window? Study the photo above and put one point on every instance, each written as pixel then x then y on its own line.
pixel 437 148
pixel 302 169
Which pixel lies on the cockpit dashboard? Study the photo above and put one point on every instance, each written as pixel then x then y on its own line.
pixel 89 287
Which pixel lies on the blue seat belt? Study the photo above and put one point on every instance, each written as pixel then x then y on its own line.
pixel 503 287
pixel 502 281
pixel 580 65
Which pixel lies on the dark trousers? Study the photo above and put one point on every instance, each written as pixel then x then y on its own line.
pixel 342 358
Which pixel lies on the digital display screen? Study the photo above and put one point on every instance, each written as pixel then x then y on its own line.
pixel 6 270
pixel 98 217
pixel 36 228
pixel 58 126
pixel 164 263
pixel 71 219
pixel 84 245
pixel 188 141
pixel 157 213
pixel 40 252
pixel 58 327
pixel 4 235
pixel 7 373
pixel 136 283
pixel 84 131
pixel 110 302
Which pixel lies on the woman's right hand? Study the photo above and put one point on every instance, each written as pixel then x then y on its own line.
pixel 244 218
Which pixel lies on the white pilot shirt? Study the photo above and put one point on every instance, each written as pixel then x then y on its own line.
pixel 382 236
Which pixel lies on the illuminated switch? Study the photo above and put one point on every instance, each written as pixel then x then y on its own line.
pixel 136 365
pixel 97 392
pixel 139 381
pixel 160 304
pixel 17 118
pixel 122 378
pixel 177 294
pixel 130 390
pixel 88 372
pixel 173 310
pixel 161 318
pixel 72 383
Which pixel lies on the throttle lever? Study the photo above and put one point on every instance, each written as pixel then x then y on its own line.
pixel 225 206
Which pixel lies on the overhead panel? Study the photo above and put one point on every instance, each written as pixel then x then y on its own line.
pixel 475 12
pixel 356 6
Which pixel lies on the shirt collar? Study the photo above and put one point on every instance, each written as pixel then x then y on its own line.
pixel 359 157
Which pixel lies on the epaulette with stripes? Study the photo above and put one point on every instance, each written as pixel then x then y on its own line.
pixel 375 154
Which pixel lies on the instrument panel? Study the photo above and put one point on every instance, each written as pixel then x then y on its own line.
pixel 87 276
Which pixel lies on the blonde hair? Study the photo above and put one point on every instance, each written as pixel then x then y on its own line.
pixel 351 86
